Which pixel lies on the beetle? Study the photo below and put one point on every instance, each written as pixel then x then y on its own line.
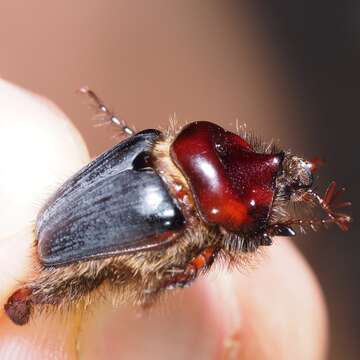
pixel 157 209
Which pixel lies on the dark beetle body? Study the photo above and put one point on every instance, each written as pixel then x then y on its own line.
pixel 156 210
pixel 110 207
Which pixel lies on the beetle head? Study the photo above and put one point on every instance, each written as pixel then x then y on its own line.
pixel 238 187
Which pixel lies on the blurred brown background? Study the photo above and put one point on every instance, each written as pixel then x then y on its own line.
pixel 290 70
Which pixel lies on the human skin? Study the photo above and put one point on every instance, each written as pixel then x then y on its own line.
pixel 272 309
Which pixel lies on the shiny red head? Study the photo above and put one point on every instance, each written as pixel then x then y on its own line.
pixel 233 185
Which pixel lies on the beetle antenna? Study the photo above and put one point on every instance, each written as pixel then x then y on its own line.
pixel 103 109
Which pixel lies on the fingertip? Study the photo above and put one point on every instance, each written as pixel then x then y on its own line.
pixel 276 309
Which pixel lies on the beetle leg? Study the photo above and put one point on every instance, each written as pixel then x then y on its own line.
pixel 199 263
pixel 109 115
pixel 328 205
pixel 181 277
pixel 19 306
